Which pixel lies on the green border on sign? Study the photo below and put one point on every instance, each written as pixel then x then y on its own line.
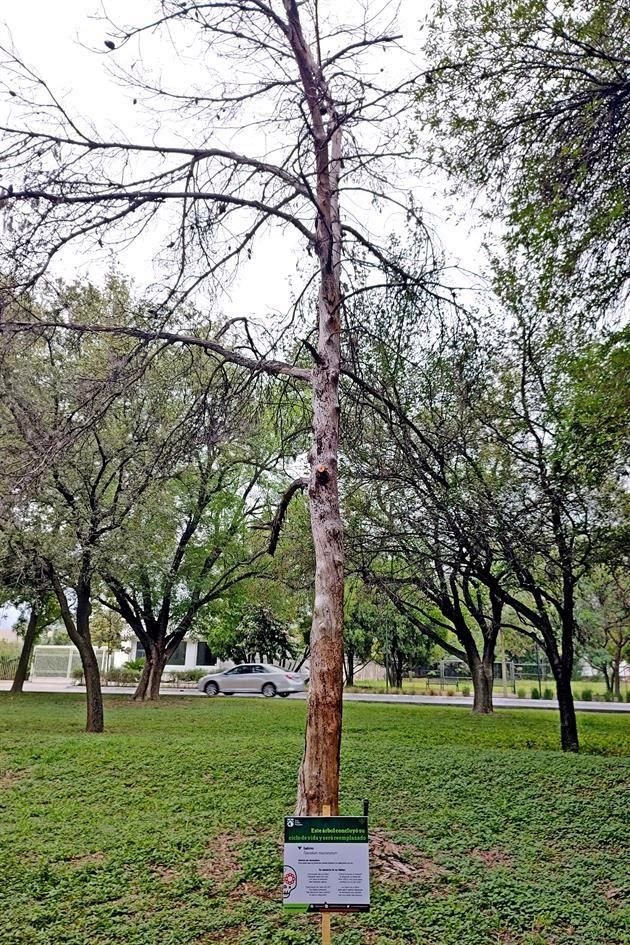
pixel 325 830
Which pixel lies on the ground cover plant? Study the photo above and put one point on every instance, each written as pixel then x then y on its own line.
pixel 166 828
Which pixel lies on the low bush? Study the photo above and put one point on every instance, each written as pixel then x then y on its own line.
pixel 136 665
pixel 122 675
pixel 586 695
pixel 521 693
pixel 535 693
pixel 465 690
pixel 189 675
pixel 77 674
pixel 548 693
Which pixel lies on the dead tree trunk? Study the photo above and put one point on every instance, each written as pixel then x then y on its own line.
pixel 319 773
pixel 30 637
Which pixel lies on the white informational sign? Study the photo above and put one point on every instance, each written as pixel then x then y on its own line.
pixel 326 864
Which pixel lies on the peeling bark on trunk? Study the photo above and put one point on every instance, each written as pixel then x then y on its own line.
pixel 30 636
pixel 318 782
pixel 319 771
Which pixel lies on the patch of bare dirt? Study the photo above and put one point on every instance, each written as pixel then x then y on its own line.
pixel 233 934
pixel 253 890
pixel 9 779
pixel 87 859
pixel 613 894
pixel 371 937
pixel 165 873
pixel 492 858
pixel 221 860
pixel 393 861
pixel 506 937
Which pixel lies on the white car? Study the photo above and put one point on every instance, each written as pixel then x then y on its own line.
pixel 253 677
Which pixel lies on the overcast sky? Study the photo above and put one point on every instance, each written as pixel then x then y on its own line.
pixel 64 42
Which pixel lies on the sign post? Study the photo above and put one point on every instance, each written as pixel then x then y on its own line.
pixel 326 866
pixel 326 917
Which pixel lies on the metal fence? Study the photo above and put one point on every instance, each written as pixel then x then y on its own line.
pixel 60 662
pixel 8 667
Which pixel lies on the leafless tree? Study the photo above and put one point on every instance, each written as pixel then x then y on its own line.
pixel 318 123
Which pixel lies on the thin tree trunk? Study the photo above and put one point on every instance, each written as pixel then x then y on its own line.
pixel 350 668
pixel 607 679
pixel 94 696
pixel 79 633
pixel 616 678
pixel 318 783
pixel 568 722
pixel 91 671
pixel 30 636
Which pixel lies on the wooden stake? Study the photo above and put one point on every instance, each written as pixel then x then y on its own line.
pixel 326 935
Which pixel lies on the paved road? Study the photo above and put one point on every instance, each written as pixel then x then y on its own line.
pixel 499 701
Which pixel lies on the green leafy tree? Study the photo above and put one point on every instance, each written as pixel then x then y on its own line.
pixel 529 102
pixel 254 633
pixel 81 446
pixel 603 611
pixel 191 538
pixel 108 629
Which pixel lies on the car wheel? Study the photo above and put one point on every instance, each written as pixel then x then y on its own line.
pixel 268 690
pixel 211 689
pixel 284 695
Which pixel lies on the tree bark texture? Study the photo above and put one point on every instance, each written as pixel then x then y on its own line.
pixel 318 782
pixel 158 651
pixel 94 697
pixel 30 636
pixel 141 689
pixel 482 673
pixel 148 688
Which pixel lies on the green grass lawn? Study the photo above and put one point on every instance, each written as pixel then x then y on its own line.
pixel 166 830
